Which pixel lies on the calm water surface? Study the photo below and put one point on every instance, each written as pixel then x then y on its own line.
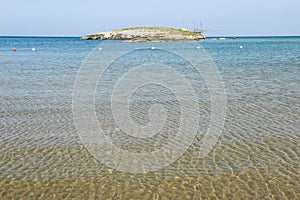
pixel 257 156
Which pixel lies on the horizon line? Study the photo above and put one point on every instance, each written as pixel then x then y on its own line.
pixel 209 36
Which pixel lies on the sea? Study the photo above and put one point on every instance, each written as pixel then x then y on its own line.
pixel 254 153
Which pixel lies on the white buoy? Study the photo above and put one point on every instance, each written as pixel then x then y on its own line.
pixel 241 47
pixel 152 47
pixel 100 48
pixel 33 49
pixel 198 47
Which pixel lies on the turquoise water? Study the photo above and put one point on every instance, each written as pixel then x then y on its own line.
pixel 257 156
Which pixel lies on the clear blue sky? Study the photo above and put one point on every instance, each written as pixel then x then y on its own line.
pixel 220 17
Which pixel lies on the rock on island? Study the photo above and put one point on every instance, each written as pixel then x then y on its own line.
pixel 147 34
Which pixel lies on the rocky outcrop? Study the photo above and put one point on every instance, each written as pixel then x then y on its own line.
pixel 146 34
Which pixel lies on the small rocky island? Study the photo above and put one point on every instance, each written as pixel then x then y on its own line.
pixel 147 34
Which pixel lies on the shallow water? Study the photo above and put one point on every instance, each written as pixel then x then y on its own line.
pixel 256 157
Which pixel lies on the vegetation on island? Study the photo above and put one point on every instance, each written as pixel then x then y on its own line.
pixel 157 28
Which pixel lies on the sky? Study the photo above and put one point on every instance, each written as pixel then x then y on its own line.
pixel 218 18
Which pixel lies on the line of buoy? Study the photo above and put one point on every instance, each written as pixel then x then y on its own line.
pixel 15 49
